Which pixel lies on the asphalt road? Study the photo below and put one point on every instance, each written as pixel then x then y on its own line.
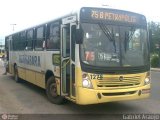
pixel 25 98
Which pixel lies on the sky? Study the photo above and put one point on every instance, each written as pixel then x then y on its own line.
pixel 28 13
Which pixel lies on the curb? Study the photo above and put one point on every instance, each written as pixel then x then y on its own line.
pixel 155 69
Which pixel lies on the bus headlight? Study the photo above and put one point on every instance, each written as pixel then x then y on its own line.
pixel 86 81
pixel 147 80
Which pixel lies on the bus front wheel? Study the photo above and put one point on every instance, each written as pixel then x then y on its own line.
pixel 51 91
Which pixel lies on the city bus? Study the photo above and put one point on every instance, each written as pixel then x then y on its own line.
pixel 91 56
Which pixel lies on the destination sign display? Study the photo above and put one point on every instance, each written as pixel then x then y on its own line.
pixel 95 14
pixel 102 14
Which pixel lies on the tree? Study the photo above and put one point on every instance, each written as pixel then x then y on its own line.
pixel 155 28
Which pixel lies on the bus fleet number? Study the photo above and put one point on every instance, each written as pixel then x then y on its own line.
pixel 96 76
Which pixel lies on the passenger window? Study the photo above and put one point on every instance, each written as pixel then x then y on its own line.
pixel 39 38
pixel 19 41
pixel 53 41
pixel 29 40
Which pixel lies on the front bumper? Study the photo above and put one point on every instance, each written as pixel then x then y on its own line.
pixel 91 96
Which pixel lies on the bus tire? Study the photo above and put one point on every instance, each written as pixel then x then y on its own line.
pixel 51 91
pixel 16 77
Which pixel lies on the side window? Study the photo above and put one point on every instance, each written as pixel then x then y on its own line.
pixel 22 41
pixel 39 38
pixel 11 42
pixel 7 43
pixel 15 42
pixel 53 41
pixel 19 41
pixel 29 40
pixel 7 47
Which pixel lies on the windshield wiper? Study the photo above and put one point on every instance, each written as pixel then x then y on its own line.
pixel 108 34
pixel 106 31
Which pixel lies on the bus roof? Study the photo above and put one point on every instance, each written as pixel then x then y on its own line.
pixel 73 12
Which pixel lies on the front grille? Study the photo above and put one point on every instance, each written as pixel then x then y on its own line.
pixel 119 93
pixel 116 82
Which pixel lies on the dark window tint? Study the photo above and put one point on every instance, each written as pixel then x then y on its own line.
pixel 29 40
pixel 39 38
pixel 53 41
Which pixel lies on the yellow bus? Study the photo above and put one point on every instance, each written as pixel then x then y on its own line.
pixel 92 56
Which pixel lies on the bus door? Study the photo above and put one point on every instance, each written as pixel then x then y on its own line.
pixel 67 61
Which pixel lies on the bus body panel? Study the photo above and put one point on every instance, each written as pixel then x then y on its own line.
pixel 32 65
pixel 109 94
pixel 90 96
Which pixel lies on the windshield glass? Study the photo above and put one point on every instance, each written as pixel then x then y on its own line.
pixel 114 46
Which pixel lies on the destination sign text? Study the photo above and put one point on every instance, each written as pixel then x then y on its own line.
pixel 103 15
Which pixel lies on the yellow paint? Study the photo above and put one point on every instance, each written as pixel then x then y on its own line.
pixel 86 96
pixel 30 76
pixel 58 85
pixel 78 74
pixel 89 96
pixel 40 79
pixel 21 73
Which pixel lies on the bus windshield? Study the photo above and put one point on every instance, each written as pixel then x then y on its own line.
pixel 114 46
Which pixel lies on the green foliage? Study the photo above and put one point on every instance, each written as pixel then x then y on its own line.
pixel 154 60
pixel 155 28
